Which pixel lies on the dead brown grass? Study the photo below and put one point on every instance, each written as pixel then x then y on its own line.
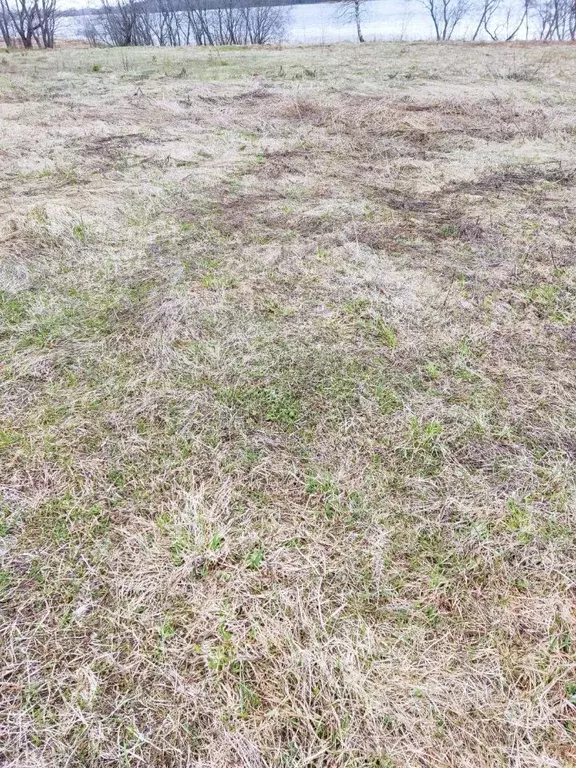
pixel 288 407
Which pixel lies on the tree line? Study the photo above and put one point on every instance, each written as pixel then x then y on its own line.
pixel 494 20
pixel 30 23
pixel 185 22
pixel 241 22
pixel 502 20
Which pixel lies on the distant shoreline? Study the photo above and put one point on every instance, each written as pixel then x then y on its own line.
pixel 214 4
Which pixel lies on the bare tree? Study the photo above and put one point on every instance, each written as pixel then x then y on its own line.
pixel 166 23
pixel 91 31
pixel 47 17
pixel 501 22
pixel 487 10
pixel 181 22
pixel 557 19
pixel 6 28
pixel 121 23
pixel 352 11
pixel 446 15
pixel 264 23
pixel 30 21
pixel 22 18
pixel 237 24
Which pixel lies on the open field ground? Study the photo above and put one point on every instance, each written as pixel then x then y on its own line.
pixel 288 407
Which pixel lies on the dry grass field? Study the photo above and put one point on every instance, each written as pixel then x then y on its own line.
pixel 288 407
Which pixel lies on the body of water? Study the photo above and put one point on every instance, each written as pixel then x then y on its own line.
pixel 382 20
